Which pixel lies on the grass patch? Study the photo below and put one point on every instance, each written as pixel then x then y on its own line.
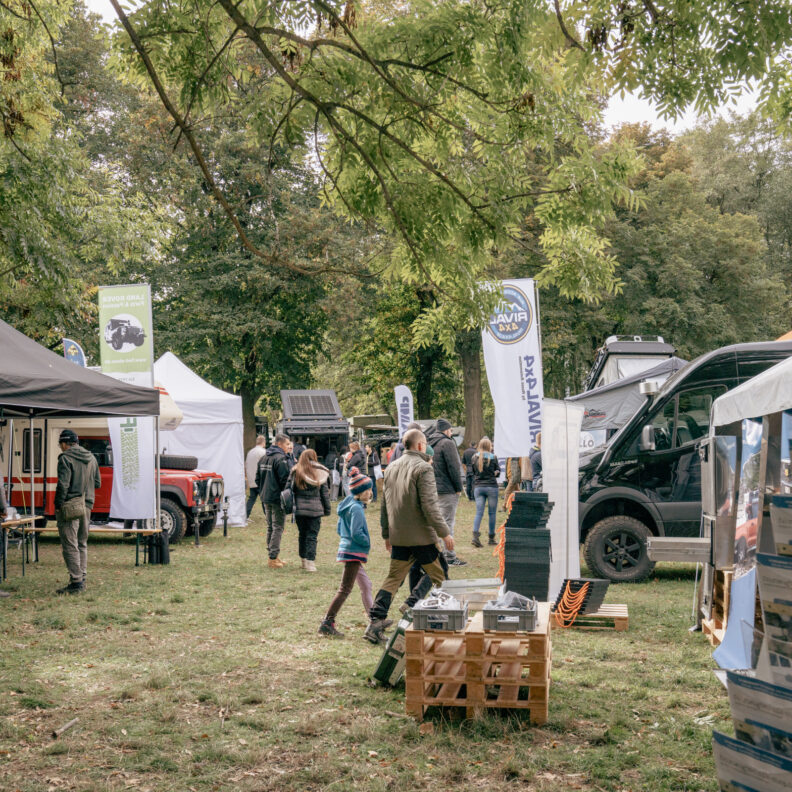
pixel 208 674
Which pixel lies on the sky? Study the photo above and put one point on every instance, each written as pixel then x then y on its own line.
pixel 629 109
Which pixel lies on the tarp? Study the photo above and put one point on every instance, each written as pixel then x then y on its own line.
pixel 611 406
pixel 764 394
pixel 211 429
pixel 560 440
pixel 35 380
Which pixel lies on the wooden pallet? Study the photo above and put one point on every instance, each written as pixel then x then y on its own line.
pixel 608 617
pixel 480 671
pixel 715 627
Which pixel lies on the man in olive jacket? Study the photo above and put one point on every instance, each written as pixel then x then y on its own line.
pixel 78 474
pixel 412 526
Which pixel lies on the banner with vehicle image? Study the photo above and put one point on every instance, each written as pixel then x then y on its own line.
pixel 126 340
pixel 126 347
pixel 513 359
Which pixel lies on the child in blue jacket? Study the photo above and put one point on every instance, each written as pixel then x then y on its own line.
pixel 353 549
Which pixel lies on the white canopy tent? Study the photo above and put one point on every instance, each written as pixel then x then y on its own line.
pixel 764 394
pixel 211 429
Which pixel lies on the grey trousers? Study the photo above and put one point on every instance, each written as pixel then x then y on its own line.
pixel 448 506
pixel 276 520
pixel 74 544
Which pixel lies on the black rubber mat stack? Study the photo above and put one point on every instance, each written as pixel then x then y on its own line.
pixel 527 551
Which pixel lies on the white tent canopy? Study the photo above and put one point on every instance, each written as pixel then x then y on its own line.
pixel 766 393
pixel 211 429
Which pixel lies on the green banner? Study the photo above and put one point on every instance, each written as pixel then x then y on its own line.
pixel 125 333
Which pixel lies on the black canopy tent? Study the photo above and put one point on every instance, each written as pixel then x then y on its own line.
pixel 37 382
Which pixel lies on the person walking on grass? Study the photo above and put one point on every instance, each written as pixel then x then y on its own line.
pixel 373 462
pixel 412 526
pixel 308 482
pixel 448 474
pixel 78 477
pixel 251 468
pixel 3 515
pixel 485 488
pixel 467 461
pixel 353 549
pixel 273 473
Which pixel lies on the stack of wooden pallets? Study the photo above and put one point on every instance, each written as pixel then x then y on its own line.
pixel 715 627
pixel 478 670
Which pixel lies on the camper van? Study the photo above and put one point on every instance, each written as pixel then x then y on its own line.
pixel 647 479
pixel 189 499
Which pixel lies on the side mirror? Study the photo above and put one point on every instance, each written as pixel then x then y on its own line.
pixel 647 439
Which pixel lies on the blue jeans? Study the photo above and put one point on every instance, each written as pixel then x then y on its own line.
pixel 489 496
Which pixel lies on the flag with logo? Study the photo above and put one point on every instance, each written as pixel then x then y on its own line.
pixel 404 407
pixel 513 359
pixel 74 352
pixel 127 353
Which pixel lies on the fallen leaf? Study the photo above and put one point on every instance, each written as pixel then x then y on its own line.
pixel 426 728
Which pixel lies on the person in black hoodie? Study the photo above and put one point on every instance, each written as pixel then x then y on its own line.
pixel 308 482
pixel 372 460
pixel 448 476
pixel 273 473
pixel 78 476
pixel 467 459
pixel 358 458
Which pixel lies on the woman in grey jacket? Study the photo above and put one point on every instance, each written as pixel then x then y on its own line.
pixel 309 484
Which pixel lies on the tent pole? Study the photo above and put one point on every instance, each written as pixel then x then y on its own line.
pixel 10 487
pixel 32 469
pixel 157 476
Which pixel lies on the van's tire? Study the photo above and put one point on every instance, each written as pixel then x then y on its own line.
pixel 173 520
pixel 205 527
pixel 178 462
pixel 615 549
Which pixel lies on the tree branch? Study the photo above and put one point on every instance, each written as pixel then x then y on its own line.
pixel 196 150
pixel 571 40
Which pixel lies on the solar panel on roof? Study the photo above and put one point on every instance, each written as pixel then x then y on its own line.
pixel 322 404
pixel 301 404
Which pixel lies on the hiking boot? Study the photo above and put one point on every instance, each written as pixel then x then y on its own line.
pixel 387 623
pixel 457 562
pixel 328 628
pixel 72 588
pixel 492 541
pixel 4 594
pixel 276 563
pixel 375 632
pixel 476 541
pixel 302 563
pixel 404 609
pixel 309 566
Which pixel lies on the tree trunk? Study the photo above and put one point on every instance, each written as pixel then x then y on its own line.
pixel 248 417
pixel 468 345
pixel 423 384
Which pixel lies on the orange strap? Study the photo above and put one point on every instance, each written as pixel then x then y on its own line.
pixel 500 550
pixel 569 605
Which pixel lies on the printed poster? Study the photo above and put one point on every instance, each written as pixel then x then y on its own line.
pixel 126 347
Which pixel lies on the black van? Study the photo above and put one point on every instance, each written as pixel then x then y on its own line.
pixel 647 479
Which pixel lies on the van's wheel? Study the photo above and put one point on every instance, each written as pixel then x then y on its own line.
pixel 205 527
pixel 616 549
pixel 173 520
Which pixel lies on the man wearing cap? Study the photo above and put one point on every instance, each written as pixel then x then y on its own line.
pixel 448 473
pixel 412 526
pixel 78 476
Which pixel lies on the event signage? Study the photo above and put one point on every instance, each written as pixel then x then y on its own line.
pixel 513 358
pixel 127 353
pixel 74 352
pixel 404 407
pixel 125 333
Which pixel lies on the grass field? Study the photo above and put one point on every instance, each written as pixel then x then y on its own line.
pixel 208 674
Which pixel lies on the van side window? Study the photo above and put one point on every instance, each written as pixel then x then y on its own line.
pixel 100 447
pixel 36 450
pixel 693 413
pixel 663 425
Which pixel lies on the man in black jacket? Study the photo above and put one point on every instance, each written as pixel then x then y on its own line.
pixel 448 475
pixel 467 459
pixel 273 473
pixel 78 476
